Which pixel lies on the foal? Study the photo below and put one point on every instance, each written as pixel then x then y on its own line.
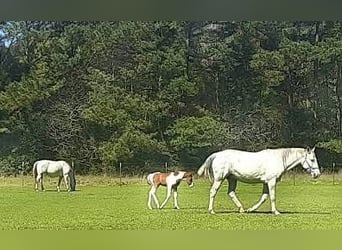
pixel 170 181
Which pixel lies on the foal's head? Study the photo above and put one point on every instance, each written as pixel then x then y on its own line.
pixel 188 178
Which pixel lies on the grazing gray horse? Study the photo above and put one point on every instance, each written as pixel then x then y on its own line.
pixel 54 168
pixel 266 166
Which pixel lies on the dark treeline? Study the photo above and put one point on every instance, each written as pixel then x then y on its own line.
pixel 146 93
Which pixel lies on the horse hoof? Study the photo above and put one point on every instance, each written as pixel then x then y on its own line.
pixel 211 212
pixel 241 210
pixel 176 207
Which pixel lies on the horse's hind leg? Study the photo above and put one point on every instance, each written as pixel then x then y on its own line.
pixel 262 199
pixel 66 180
pixel 149 200
pixel 213 190
pixel 168 194
pixel 155 198
pixel 59 183
pixel 231 192
pixel 40 179
pixel 36 181
pixel 151 194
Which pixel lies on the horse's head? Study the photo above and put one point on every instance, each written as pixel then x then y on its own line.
pixel 188 177
pixel 310 163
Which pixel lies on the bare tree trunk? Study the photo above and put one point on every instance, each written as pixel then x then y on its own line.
pixel 339 97
pixel 189 44
pixel 217 85
pixel 315 73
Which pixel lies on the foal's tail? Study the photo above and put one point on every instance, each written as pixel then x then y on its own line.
pixel 205 168
pixel 149 178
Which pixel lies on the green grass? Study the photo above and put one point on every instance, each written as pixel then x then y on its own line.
pixel 99 203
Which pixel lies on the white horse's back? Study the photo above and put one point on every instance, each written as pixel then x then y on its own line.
pixel 52 167
pixel 248 166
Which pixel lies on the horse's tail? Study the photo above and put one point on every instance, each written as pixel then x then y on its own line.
pixel 149 178
pixel 206 167
pixel 34 170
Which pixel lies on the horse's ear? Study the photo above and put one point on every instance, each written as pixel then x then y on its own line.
pixel 308 149
pixel 313 149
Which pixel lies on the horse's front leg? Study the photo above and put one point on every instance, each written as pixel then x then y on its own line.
pixel 168 194
pixel 262 199
pixel 271 187
pixel 231 192
pixel 213 190
pixel 175 195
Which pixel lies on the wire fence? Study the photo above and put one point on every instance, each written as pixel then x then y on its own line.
pixel 123 173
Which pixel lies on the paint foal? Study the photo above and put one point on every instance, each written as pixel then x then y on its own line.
pixel 169 180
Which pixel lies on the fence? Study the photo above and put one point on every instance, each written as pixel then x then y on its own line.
pixel 124 171
pixel 331 173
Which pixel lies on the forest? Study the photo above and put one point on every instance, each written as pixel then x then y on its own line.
pixel 149 93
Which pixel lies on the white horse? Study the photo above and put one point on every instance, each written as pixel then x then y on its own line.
pixel 171 181
pixel 54 168
pixel 266 166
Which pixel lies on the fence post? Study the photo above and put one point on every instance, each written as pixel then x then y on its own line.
pixel 120 172
pixel 22 173
pixel 294 177
pixel 333 169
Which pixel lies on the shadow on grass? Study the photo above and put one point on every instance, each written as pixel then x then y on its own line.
pixel 55 191
pixel 269 212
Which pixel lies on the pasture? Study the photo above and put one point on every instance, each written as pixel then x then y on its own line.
pixel 101 203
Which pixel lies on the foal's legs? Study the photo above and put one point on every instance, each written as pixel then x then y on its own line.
pixel 271 187
pixel 175 194
pixel 168 194
pixel 213 190
pixel 262 199
pixel 231 192
pixel 151 194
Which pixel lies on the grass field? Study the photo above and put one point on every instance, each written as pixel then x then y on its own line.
pixel 100 203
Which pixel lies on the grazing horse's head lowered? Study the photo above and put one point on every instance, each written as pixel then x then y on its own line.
pixel 171 181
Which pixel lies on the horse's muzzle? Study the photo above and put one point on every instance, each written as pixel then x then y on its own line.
pixel 315 174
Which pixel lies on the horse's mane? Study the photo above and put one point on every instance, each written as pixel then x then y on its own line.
pixel 287 152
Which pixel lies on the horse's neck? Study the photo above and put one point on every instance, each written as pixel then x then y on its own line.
pixel 293 157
